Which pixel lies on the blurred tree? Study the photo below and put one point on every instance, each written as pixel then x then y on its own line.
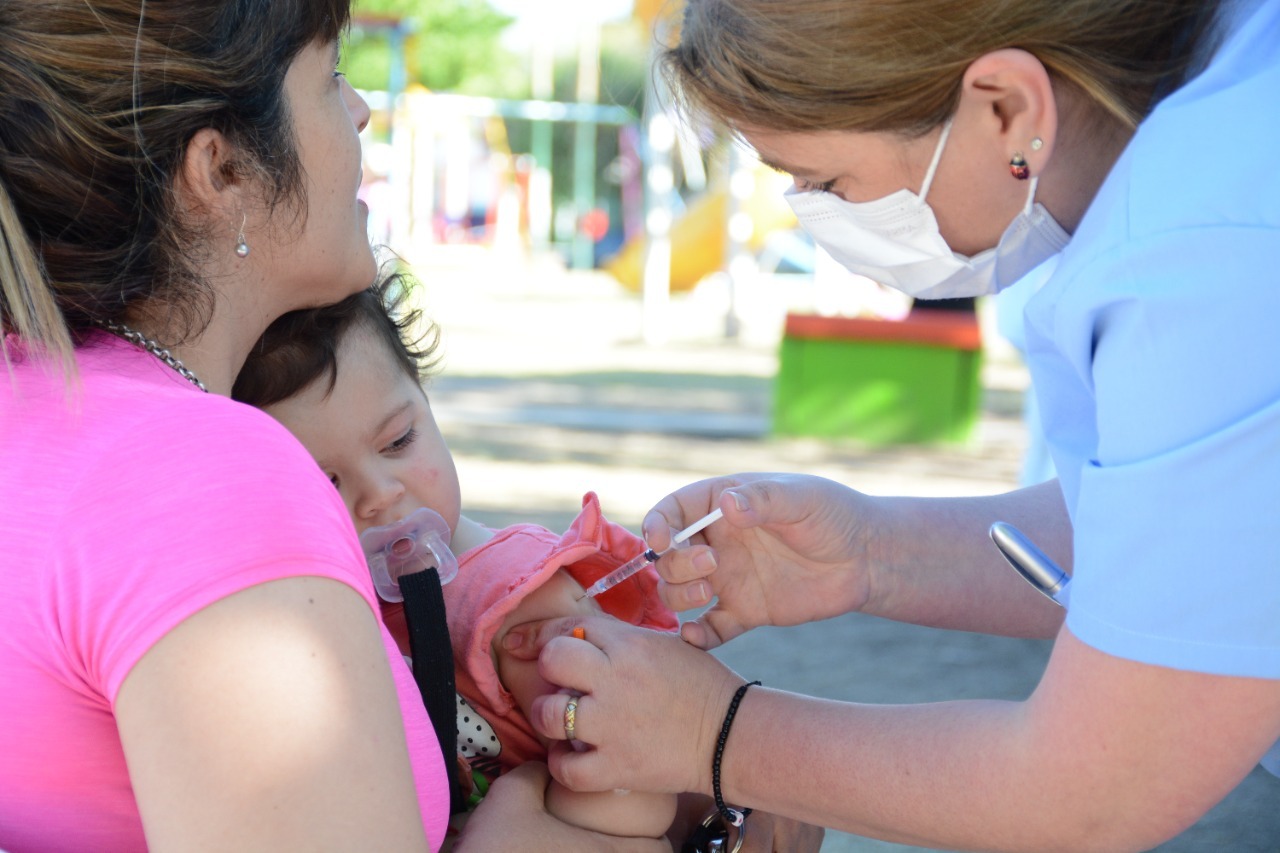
pixel 451 46
pixel 624 70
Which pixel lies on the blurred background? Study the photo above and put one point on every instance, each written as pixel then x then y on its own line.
pixel 545 129
pixel 627 306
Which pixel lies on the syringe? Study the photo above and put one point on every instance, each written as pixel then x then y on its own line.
pixel 638 562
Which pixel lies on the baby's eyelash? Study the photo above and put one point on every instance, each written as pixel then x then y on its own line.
pixel 403 441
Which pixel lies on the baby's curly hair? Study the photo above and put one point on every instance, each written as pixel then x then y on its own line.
pixel 302 346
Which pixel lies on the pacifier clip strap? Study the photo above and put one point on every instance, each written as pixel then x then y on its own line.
pixel 432 654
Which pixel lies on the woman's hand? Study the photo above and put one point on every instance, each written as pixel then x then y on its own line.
pixel 790 549
pixel 651 706
pixel 513 816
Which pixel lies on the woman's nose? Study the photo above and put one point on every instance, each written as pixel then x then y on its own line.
pixel 356 106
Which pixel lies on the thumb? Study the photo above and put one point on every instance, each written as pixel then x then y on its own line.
pixel 525 641
pixel 753 503
pixel 782 500
pixel 713 628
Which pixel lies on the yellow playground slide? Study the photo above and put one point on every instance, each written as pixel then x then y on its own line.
pixel 700 237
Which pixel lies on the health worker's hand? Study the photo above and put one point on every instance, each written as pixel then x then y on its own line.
pixel 513 816
pixel 650 709
pixel 790 549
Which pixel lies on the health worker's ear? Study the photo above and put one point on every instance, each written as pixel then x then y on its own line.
pixel 1011 97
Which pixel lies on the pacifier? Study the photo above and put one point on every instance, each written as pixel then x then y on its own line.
pixel 415 543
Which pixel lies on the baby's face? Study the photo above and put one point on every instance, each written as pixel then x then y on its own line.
pixel 375 437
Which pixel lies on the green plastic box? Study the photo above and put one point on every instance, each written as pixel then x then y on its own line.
pixel 915 380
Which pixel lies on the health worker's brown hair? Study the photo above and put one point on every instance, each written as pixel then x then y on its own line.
pixel 897 65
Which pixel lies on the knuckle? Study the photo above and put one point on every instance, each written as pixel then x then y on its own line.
pixel 763 490
pixel 552 659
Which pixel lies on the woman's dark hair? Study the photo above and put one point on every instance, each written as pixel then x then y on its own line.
pixel 301 347
pixel 98 103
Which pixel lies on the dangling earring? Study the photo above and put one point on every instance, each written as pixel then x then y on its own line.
pixel 242 248
pixel 1018 166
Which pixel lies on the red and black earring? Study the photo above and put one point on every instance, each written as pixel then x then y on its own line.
pixel 1018 166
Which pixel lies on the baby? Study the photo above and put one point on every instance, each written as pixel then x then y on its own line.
pixel 347 381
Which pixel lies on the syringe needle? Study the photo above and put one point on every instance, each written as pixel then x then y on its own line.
pixel 638 562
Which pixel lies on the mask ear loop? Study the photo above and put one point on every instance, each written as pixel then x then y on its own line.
pixel 1031 194
pixel 1036 144
pixel 937 156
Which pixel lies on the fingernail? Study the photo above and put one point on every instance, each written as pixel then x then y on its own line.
pixel 513 640
pixel 700 592
pixel 705 562
pixel 739 501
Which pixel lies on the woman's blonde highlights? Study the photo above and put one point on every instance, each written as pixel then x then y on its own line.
pixel 26 307
pixel 99 101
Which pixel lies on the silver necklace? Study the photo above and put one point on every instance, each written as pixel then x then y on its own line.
pixel 138 339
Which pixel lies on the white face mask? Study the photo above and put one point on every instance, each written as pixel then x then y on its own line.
pixel 895 240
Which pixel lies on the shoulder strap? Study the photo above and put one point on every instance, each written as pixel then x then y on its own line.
pixel 432 654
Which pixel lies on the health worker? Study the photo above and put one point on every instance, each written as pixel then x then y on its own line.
pixel 946 149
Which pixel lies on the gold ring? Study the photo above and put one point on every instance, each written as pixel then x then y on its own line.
pixel 570 717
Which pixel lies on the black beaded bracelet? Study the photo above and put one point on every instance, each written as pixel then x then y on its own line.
pixel 733 817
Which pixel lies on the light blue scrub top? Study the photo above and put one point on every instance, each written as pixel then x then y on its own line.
pixel 1155 354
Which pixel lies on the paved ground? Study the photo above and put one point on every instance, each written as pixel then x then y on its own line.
pixel 548 390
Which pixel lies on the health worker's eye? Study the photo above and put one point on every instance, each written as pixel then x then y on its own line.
pixel 809 187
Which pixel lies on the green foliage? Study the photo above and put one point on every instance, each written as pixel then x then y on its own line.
pixel 457 46
pixel 624 65
pixel 450 46
pixel 624 70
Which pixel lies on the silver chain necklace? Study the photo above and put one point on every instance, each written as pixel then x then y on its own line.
pixel 138 339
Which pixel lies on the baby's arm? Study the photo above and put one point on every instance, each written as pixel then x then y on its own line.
pixel 634 813
pixel 627 813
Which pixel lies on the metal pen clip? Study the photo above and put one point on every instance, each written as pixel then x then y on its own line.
pixel 1032 563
